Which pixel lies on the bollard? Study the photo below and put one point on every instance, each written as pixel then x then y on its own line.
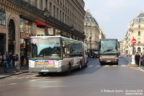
pixel 132 64
pixel 133 60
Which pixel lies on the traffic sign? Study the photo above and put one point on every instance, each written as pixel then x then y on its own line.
pixel 133 41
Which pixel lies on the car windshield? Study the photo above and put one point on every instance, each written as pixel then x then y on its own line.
pixel 46 48
pixel 108 47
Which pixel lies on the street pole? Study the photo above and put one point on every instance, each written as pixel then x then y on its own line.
pixel 133 56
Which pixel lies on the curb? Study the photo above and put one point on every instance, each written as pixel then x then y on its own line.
pixel 17 73
pixel 132 65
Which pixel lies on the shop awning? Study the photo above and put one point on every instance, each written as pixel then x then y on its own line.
pixel 42 24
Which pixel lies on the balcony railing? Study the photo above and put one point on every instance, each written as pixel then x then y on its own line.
pixel 27 6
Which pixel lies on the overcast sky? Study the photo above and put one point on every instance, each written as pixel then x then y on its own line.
pixel 114 16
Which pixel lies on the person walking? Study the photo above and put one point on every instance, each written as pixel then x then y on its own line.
pixel 11 63
pixel 137 58
pixel 5 63
pixel 15 61
pixel 141 57
pixel 1 63
pixel 142 60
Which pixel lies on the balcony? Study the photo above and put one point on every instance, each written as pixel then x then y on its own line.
pixel 27 6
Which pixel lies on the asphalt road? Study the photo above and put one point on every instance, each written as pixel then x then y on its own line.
pixel 95 80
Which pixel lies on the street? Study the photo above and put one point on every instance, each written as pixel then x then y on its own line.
pixel 95 80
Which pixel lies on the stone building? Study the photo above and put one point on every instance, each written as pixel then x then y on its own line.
pixel 136 31
pixel 21 19
pixel 93 32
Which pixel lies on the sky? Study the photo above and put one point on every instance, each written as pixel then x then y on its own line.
pixel 113 16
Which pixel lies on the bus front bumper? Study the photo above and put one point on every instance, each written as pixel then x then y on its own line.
pixel 109 59
pixel 45 70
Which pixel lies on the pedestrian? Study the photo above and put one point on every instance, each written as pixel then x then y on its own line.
pixel 137 58
pixel 5 62
pixel 15 59
pixel 142 60
pixel 1 64
pixel 11 63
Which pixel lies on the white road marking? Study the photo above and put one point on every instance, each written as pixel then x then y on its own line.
pixel 12 84
pixel 106 66
pixel 141 69
pixel 137 68
pixel 123 65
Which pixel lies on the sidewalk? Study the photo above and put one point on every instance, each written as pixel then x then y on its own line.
pixel 11 72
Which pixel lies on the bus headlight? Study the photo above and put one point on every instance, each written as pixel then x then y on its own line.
pixel 31 63
pixel 58 64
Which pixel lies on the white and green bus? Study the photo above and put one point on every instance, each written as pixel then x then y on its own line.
pixel 56 54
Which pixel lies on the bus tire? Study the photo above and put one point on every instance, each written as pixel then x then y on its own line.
pixel 41 73
pixel 101 63
pixel 86 64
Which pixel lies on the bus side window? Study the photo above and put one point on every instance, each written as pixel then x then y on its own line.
pixel 66 50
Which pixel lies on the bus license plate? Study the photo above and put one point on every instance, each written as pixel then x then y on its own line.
pixel 108 61
pixel 44 70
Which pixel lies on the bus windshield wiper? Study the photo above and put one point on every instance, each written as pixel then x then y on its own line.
pixel 108 50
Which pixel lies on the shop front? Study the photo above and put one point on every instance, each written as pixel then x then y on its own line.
pixel 29 28
pixel 25 33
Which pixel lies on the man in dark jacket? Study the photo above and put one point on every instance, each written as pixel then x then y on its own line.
pixel 142 59
pixel 137 58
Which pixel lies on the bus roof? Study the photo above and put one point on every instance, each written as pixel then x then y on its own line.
pixel 108 39
pixel 64 38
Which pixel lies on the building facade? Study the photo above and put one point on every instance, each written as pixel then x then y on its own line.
pixel 93 32
pixel 21 19
pixel 136 31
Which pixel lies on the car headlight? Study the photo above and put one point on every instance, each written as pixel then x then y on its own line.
pixel 58 64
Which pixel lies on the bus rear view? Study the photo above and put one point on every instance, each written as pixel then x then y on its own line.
pixel 109 51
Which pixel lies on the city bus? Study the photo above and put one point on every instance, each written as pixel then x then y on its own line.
pixel 56 54
pixel 109 51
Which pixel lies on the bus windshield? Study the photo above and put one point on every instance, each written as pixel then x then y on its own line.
pixel 109 47
pixel 46 48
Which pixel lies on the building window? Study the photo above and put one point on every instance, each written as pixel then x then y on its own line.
pixel 139 26
pixel 25 26
pixel 2 17
pixel 35 3
pixel 54 11
pixel 29 1
pixel 139 41
pixel 63 17
pixel 50 8
pixel 57 13
pixel 139 33
pixel 46 4
pixel 60 15
pixel 41 4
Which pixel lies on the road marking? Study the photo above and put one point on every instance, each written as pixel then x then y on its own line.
pixel 137 68
pixel 123 65
pixel 141 69
pixel 12 84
